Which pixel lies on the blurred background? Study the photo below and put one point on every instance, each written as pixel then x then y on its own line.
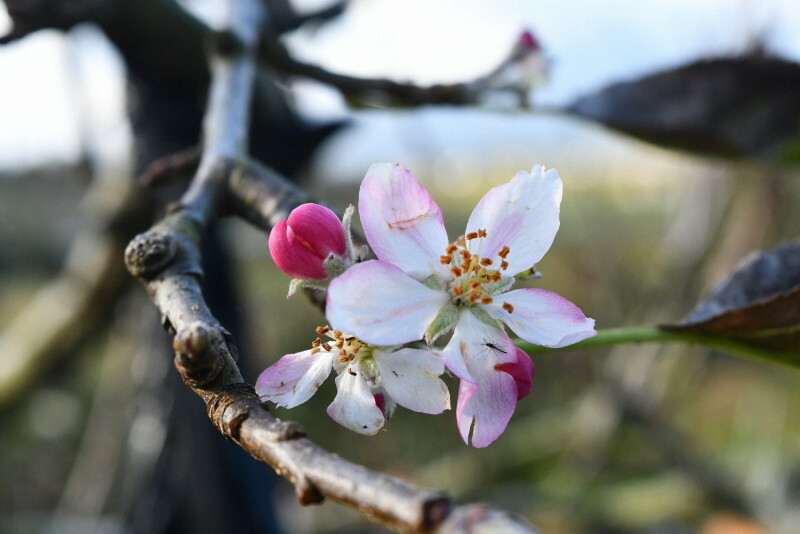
pixel 670 180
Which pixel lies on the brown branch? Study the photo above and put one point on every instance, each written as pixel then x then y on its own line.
pixel 372 89
pixel 289 20
pixel 167 259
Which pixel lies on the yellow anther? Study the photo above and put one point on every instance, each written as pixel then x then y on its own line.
pixel 327 346
pixel 504 251
pixel 474 284
pixel 486 299
pixel 456 271
pixel 315 350
pixel 508 307
pixel 444 260
pixel 481 232
pixel 458 290
pixel 473 296
pixel 486 261
pixel 322 330
pixel 316 343
pixel 451 248
pixel 504 265
pixel 471 235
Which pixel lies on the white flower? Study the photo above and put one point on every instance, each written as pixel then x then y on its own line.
pixel 423 286
pixel 367 375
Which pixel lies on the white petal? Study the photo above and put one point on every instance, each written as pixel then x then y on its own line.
pixel 542 317
pixel 294 378
pixel 521 214
pixel 411 377
pixel 354 406
pixel 402 222
pixel 380 304
pixel 475 348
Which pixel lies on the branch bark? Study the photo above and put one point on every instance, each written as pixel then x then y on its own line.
pixel 167 260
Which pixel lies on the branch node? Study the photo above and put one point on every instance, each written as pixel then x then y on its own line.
pixel 198 346
pixel 230 406
pixel 148 253
pixel 289 430
pixel 225 43
pixel 307 493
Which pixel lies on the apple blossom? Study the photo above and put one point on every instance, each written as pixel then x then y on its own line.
pixel 370 380
pixel 423 285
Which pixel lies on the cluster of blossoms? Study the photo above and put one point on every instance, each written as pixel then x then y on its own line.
pixel 387 313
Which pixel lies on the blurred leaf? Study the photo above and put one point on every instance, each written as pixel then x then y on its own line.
pixel 727 106
pixel 758 305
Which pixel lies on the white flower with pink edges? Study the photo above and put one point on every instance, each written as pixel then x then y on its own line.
pixel 423 286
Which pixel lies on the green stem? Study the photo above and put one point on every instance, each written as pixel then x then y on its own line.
pixel 653 334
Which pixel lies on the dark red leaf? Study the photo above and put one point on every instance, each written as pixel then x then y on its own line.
pixel 758 304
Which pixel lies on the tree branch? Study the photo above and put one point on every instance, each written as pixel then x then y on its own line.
pixel 372 89
pixel 289 20
pixel 167 259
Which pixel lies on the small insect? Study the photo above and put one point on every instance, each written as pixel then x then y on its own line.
pixel 491 346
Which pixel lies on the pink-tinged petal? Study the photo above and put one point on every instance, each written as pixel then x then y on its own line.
pixel 380 304
pixel 485 409
pixel 300 244
pixel 522 215
pixel 411 378
pixel 402 222
pixel 294 378
pixel 522 371
pixel 486 399
pixel 542 317
pixel 354 406
pixel 475 348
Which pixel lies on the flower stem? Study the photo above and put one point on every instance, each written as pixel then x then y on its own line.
pixel 653 334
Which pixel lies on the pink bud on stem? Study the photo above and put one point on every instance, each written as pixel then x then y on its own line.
pixel 301 243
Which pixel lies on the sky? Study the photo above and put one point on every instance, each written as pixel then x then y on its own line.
pixel 56 88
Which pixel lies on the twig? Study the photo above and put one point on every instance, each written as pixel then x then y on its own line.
pixel 167 260
pixel 372 88
pixel 291 21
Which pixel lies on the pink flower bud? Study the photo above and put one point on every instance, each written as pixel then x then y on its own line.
pixel 527 41
pixel 300 244
pixel 522 371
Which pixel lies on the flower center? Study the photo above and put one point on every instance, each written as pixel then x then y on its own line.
pixel 348 347
pixel 472 274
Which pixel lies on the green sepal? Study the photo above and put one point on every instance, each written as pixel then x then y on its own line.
pixel 334 265
pixel 301 283
pixel 483 316
pixel 445 320
pixel 434 282
pixel 499 287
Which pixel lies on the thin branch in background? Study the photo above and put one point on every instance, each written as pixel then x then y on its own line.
pixel 290 20
pixel 167 260
pixel 74 303
pixel 389 92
